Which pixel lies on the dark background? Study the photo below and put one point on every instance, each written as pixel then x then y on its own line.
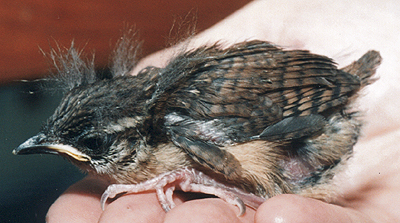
pixel 30 184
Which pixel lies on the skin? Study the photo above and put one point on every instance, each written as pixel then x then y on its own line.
pixel 369 189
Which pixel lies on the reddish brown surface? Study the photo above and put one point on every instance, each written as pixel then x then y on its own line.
pixel 26 26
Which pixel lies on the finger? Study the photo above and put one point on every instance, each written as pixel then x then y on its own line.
pixel 294 208
pixel 208 210
pixel 80 203
pixel 143 207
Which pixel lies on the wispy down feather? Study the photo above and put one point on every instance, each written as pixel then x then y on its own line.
pixel 74 69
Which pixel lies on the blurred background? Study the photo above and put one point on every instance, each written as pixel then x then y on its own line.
pixel 30 184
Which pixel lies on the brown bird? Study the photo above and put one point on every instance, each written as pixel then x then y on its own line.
pixel 244 123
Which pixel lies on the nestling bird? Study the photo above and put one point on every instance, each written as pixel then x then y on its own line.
pixel 244 123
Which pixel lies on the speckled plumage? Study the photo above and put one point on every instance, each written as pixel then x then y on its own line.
pixel 252 116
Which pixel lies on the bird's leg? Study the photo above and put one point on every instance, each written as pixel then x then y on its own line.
pixel 188 180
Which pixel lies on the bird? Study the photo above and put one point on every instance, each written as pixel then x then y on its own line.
pixel 244 123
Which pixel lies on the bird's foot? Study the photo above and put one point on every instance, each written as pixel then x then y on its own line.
pixel 188 180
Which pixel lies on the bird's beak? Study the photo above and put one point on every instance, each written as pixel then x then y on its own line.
pixel 35 146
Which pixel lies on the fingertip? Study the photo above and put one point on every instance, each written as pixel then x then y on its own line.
pixel 295 208
pixel 143 207
pixel 80 203
pixel 284 208
pixel 202 210
pixel 208 210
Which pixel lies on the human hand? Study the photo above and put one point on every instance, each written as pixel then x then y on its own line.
pixel 370 187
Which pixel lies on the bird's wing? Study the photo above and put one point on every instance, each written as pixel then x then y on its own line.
pixel 251 90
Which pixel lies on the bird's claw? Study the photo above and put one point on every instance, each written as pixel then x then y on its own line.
pixel 188 180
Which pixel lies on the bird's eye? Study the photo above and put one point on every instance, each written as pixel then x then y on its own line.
pixel 93 143
pixel 96 145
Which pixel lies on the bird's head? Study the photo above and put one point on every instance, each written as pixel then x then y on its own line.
pixel 99 126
